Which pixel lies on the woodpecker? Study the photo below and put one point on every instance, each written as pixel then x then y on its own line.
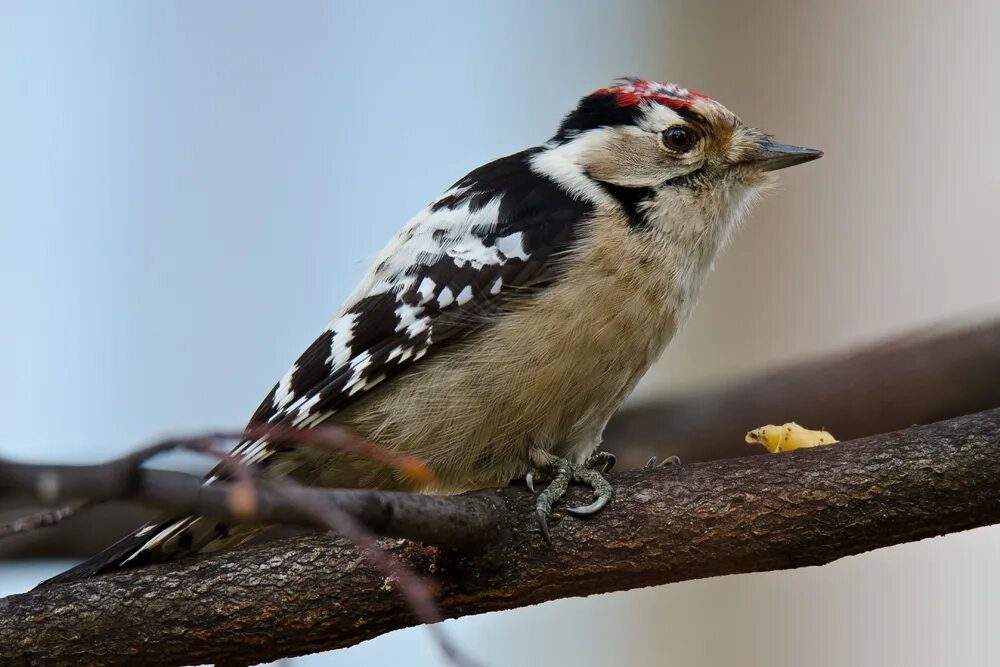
pixel 499 329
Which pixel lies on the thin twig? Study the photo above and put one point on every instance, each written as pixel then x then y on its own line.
pixel 44 519
pixel 471 521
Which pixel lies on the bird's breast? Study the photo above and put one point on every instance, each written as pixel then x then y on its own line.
pixel 546 373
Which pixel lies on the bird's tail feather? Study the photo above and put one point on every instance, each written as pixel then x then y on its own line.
pixel 157 542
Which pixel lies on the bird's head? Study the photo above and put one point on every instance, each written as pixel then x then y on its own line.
pixel 638 140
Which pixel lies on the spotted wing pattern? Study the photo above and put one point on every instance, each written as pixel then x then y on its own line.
pixel 499 233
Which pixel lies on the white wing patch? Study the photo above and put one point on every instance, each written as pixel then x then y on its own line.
pixel 305 407
pixel 342 329
pixel 407 315
pixel 465 296
pixel 358 365
pixel 283 395
pixel 423 240
pixel 512 246
pixel 426 290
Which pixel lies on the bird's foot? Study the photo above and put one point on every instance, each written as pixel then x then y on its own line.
pixel 669 461
pixel 559 473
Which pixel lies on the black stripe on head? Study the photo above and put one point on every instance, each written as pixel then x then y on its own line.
pixel 596 110
pixel 629 199
pixel 693 117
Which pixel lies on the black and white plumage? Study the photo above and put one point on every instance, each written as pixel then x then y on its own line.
pixel 498 330
pixel 496 236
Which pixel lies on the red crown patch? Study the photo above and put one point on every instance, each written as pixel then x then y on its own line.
pixel 631 92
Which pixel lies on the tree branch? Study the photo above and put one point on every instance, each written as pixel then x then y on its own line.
pixel 314 592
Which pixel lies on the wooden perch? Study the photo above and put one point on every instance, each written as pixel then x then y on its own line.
pixel 313 592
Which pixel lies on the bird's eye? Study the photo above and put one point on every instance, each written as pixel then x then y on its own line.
pixel 678 138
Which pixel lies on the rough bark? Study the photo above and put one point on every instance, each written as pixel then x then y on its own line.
pixel 313 592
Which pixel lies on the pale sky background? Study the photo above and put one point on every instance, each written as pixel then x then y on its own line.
pixel 187 192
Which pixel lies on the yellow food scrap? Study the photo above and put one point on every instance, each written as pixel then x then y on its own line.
pixel 786 437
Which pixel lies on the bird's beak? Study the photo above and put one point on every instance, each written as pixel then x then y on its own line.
pixel 779 156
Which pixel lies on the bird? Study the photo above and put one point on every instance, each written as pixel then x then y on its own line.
pixel 499 329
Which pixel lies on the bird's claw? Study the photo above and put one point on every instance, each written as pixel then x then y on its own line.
pixel 592 508
pixel 602 491
pixel 561 472
pixel 542 517
pixel 603 461
pixel 669 461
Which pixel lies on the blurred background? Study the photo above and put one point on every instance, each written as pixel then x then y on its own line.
pixel 187 192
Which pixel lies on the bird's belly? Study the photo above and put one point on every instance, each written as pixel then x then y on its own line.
pixel 545 377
